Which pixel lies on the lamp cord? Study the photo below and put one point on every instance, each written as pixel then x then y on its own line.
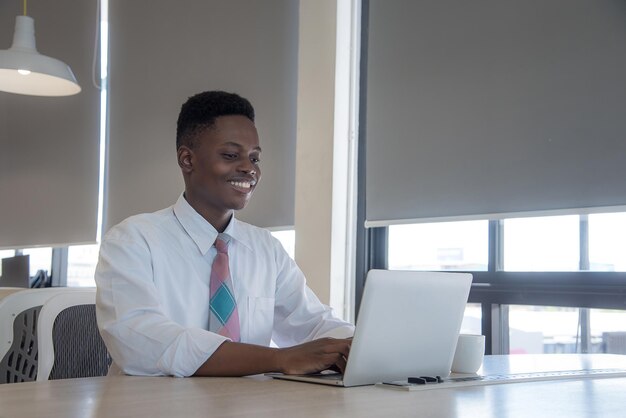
pixel 94 62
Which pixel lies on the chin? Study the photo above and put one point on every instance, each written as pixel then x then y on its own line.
pixel 239 205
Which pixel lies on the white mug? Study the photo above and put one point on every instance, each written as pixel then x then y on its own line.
pixel 470 350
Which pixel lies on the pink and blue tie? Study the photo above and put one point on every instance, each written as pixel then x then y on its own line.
pixel 224 318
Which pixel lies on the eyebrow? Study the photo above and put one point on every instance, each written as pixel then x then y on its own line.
pixel 235 144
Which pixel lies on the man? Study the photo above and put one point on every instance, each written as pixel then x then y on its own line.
pixel 173 299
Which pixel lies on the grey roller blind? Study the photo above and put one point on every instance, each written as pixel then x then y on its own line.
pixel 479 108
pixel 49 147
pixel 162 52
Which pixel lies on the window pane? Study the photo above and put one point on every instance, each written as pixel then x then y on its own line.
pixel 608 331
pixel 40 259
pixel 542 244
pixel 543 329
pixel 81 265
pixel 607 242
pixel 6 253
pixel 288 239
pixel 472 319
pixel 439 246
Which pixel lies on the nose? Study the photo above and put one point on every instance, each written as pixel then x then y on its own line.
pixel 248 168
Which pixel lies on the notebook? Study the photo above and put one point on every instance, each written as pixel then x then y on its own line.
pixel 408 325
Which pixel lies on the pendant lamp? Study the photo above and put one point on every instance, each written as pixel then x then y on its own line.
pixel 23 70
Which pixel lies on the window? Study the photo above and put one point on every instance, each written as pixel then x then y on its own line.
pixel 549 329
pixel 541 272
pixel 472 319
pixel 288 239
pixel 543 329
pixel 607 242
pixel 542 244
pixel 608 330
pixel 81 265
pixel 40 259
pixel 439 246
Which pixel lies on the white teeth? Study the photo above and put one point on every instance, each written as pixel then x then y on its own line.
pixel 243 185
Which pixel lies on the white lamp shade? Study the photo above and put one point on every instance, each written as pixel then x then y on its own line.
pixel 38 75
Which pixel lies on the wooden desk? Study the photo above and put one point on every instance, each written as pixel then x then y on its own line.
pixel 125 396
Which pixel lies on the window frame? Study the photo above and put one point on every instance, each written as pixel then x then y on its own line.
pixel 495 289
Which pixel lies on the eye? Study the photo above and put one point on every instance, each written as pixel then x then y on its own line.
pixel 255 160
pixel 229 156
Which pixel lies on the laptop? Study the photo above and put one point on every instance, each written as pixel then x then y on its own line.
pixel 408 326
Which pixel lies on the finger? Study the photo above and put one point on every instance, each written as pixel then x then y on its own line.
pixel 340 345
pixel 344 348
pixel 334 368
pixel 341 364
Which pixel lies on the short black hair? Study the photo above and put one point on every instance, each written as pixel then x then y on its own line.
pixel 200 111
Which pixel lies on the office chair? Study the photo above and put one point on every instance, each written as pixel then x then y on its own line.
pixel 6 291
pixel 19 311
pixel 70 345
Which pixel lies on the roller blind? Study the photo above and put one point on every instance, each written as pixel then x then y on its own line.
pixel 488 107
pixel 49 146
pixel 162 52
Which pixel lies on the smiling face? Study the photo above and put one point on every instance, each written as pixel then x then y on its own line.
pixel 221 170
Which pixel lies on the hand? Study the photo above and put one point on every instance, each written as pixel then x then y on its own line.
pixel 314 356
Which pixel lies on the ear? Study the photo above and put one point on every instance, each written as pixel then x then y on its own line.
pixel 185 159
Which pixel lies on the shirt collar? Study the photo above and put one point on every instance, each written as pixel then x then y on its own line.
pixel 200 230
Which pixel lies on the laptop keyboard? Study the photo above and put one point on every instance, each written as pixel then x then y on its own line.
pixel 326 375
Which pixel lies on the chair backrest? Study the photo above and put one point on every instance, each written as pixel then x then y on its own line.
pixel 70 345
pixel 18 332
pixel 6 291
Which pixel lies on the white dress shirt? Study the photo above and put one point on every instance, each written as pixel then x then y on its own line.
pixel 153 292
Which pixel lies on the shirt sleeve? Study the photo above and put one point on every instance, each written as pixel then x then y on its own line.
pixel 299 316
pixel 141 339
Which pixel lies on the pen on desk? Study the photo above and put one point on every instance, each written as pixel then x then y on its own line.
pixel 396 383
pixel 422 380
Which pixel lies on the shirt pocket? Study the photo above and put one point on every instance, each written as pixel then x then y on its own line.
pixel 260 321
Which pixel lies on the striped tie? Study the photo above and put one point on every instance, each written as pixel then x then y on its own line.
pixel 224 318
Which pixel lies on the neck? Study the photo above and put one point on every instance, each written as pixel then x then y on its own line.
pixel 218 219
